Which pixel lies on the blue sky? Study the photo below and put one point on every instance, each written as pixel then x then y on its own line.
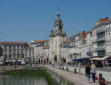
pixel 26 20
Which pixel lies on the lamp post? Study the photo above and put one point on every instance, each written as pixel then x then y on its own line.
pixel 68 51
pixel 48 55
pixel 60 57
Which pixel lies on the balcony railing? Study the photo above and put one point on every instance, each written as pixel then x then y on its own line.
pixel 100 31
pixel 100 39
pixel 100 48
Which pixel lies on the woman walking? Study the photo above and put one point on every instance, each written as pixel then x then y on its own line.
pixel 87 71
pixel 93 69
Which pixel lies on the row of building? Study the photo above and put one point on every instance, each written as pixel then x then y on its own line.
pixel 95 42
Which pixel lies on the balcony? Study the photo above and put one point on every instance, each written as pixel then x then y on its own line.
pixel 100 31
pixel 100 48
pixel 100 39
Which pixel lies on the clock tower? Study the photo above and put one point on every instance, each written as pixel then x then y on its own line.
pixel 57 36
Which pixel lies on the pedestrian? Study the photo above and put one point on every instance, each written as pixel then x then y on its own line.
pixel 87 71
pixel 79 66
pixel 93 70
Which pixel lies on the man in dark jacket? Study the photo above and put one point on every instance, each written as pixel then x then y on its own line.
pixel 87 71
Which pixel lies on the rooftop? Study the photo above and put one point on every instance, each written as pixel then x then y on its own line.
pixel 40 41
pixel 102 21
pixel 14 43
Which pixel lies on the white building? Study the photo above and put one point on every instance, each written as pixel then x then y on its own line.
pixel 41 50
pixel 102 38
pixel 16 51
pixel 93 43
pixel 80 45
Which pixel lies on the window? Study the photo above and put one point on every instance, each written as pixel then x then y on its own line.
pixel 9 46
pixel 29 54
pixel 18 46
pixel 14 46
pixel 21 51
pixel 9 50
pixel 9 56
pixel 106 29
pixel 5 46
pixel 17 51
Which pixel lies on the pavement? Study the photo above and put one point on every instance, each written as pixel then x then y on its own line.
pixel 78 79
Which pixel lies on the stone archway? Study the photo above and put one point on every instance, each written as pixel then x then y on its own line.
pixel 55 58
pixel 63 60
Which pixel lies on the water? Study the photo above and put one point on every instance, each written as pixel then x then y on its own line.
pixel 11 80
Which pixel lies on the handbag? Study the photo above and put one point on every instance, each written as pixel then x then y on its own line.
pixel 96 78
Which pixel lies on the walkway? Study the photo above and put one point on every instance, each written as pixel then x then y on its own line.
pixel 78 79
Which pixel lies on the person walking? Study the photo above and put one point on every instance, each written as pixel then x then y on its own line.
pixel 87 71
pixel 79 66
pixel 93 70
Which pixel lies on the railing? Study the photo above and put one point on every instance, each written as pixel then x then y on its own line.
pixel 100 30
pixel 100 48
pixel 100 39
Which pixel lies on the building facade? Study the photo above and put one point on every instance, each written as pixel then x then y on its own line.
pixel 57 36
pixel 16 51
pixel 41 50
pixel 95 42
pixel 102 38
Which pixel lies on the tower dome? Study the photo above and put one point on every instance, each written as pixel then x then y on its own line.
pixel 58 21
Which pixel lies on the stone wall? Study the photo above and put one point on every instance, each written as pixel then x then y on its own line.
pixel 60 80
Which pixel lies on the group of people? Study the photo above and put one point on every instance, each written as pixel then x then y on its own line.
pixel 91 69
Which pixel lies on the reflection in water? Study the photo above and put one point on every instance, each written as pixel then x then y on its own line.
pixel 9 80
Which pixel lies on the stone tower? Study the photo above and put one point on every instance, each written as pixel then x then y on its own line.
pixel 57 36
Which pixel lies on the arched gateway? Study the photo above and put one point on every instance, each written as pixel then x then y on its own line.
pixel 55 58
pixel 57 36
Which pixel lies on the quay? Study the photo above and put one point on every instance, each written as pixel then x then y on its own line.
pixel 76 78
pixel 61 73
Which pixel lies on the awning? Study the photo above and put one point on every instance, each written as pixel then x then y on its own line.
pixel 20 60
pixel 95 59
pixel 76 60
pixel 84 58
pixel 13 60
pixel 81 59
pixel 105 58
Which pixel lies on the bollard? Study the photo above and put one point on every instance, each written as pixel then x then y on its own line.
pixel 67 68
pixel 75 71
pixel 100 76
pixel 62 68
pixel 102 81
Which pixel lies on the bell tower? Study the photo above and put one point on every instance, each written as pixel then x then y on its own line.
pixel 57 36
pixel 58 25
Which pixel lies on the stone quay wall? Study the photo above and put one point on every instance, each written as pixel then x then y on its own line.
pixel 60 80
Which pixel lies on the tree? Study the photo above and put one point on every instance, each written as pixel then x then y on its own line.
pixel 1 51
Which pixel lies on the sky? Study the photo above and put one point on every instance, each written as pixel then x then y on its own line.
pixel 26 20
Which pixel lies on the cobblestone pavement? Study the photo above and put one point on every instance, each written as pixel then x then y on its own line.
pixel 78 79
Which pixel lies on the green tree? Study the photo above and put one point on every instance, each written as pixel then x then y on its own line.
pixel 1 51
